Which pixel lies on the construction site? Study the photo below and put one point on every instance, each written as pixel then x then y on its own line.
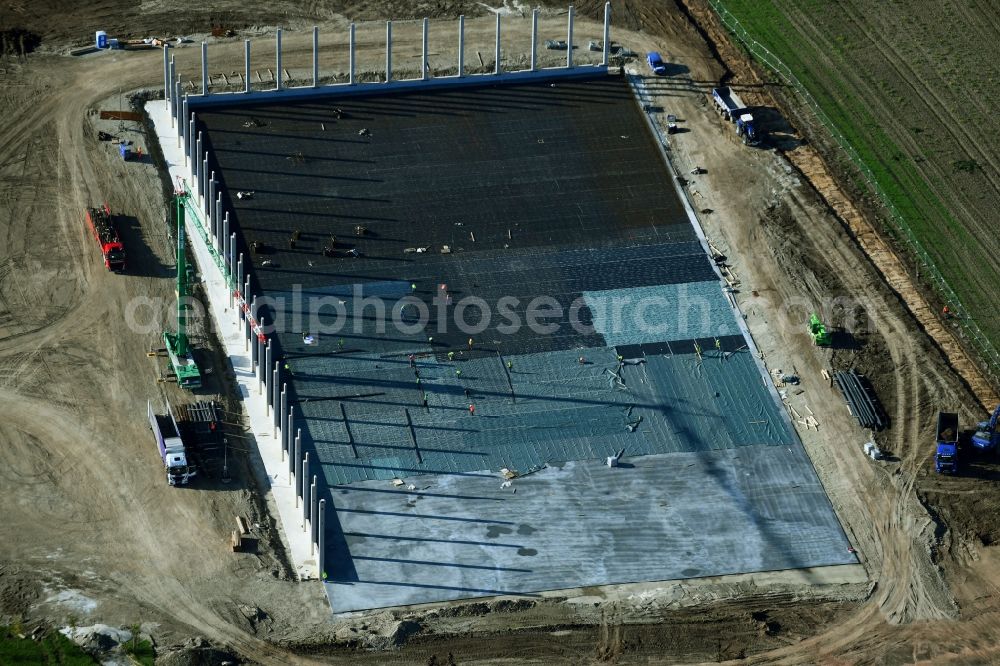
pixel 497 335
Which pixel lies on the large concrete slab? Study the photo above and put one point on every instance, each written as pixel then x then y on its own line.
pixel 536 190
pixel 545 408
pixel 658 517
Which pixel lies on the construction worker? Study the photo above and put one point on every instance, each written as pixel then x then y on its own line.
pixel 583 361
pixel 458 373
pixel 288 369
pixel 430 340
pixel 451 356
pixel 472 410
pixel 470 344
pixel 510 365
pixel 413 286
pixel 412 360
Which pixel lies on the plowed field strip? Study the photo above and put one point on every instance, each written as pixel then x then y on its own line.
pixel 885 79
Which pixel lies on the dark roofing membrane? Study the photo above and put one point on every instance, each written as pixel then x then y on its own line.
pixel 536 189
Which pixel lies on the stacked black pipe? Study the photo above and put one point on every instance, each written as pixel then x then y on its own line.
pixel 861 399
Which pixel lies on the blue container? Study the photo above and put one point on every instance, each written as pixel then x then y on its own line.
pixel 102 39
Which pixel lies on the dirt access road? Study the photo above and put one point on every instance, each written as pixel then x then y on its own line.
pixel 93 533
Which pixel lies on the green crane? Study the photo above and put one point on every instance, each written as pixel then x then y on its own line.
pixel 818 331
pixel 178 349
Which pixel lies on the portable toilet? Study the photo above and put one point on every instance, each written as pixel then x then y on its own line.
pixel 102 39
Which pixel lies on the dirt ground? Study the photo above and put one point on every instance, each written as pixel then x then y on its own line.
pixel 94 534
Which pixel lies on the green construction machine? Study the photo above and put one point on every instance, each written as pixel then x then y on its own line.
pixel 178 348
pixel 818 331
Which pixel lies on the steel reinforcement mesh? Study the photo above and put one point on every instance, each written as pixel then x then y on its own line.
pixel 509 193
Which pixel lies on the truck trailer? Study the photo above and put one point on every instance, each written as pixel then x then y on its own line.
pixel 946 456
pixel 732 108
pixel 171 446
pixel 106 234
pixel 728 103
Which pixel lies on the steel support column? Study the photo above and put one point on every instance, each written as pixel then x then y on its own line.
pixel 249 328
pixel 321 546
pixel 172 101
pixel 261 367
pixel 350 55
pixel 203 173
pixel 292 457
pixel 496 47
pixel 284 412
pixel 217 222
pixel 314 509
pixel 277 57
pixel 275 401
pixel 255 347
pixel 176 118
pixel 310 492
pixel 246 66
pixel 305 494
pixel 388 51
pixel 534 39
pixel 264 378
pixel 461 46
pixel 569 37
pixel 204 68
pixel 225 245
pixel 315 56
pixel 607 34
pixel 189 160
pixel 423 54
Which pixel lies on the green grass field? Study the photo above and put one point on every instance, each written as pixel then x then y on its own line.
pixel 54 648
pixel 906 120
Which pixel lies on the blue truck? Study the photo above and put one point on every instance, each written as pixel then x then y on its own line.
pixel 987 435
pixel 946 456
pixel 732 108
pixel 746 129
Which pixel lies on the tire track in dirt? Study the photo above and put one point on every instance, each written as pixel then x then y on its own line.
pixel 981 15
pixel 938 107
pixel 60 431
pixel 153 578
pixel 874 104
pixel 75 185
pixel 908 587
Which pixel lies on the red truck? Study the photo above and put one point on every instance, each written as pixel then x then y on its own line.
pixel 106 235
